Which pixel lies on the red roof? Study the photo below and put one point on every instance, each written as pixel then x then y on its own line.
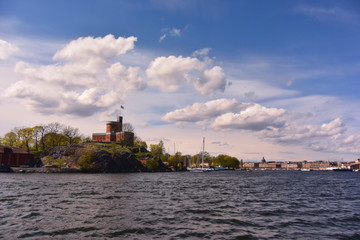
pixel 5 149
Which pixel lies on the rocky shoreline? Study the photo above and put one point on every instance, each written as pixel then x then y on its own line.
pixel 43 170
pixel 90 158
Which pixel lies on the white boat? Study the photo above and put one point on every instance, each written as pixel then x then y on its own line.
pixel 202 169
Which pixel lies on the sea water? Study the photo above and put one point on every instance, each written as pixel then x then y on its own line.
pixel 181 205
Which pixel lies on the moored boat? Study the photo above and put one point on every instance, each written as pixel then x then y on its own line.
pixel 202 169
pixel 342 170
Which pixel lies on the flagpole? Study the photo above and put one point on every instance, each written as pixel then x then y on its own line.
pixel 121 107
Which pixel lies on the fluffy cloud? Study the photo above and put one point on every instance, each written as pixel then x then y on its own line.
pixel 296 133
pixel 83 81
pixel 169 73
pixel 128 78
pixel 89 48
pixel 327 137
pixel 211 80
pixel 350 144
pixel 6 49
pixel 201 111
pixel 255 117
pixel 275 125
pixel 229 114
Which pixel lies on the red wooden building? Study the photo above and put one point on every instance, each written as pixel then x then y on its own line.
pixel 14 156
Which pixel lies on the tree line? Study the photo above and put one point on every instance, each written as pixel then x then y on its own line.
pixel 42 137
pixel 178 160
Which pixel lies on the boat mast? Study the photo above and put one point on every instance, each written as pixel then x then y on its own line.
pixel 202 157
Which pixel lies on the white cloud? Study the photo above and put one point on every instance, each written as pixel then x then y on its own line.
pixel 255 118
pixel 201 111
pixel 212 80
pixel 175 32
pixel 127 78
pixel 7 49
pixel 275 125
pixel 89 48
pixel 88 81
pixel 169 73
pixel 201 52
pixel 162 37
pixel 301 133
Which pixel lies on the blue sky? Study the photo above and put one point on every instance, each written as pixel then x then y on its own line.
pixel 278 79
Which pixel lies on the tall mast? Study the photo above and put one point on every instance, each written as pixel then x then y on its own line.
pixel 202 157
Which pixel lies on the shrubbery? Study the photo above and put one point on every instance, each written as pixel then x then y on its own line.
pixel 152 164
pixel 49 161
pixel 86 160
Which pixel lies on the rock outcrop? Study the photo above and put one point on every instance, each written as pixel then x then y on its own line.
pixel 94 158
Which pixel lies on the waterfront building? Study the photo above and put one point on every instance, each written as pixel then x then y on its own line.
pixel 270 165
pixel 356 165
pixel 290 165
pixel 115 133
pixel 316 165
pixel 15 157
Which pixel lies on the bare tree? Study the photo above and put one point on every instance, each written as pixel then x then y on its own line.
pixel 53 133
pixel 127 127
pixel 71 133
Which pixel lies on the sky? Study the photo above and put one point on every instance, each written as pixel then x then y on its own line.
pixel 274 79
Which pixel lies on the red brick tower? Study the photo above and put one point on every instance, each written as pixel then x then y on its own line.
pixel 112 128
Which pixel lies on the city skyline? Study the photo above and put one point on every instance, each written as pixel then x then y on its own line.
pixel 255 78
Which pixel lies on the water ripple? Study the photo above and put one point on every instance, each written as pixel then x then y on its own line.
pixel 220 205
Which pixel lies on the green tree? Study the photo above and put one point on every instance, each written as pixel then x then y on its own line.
pixel 152 164
pixel 86 160
pixel 53 137
pixel 10 139
pixel 157 150
pixel 219 160
pixel 197 158
pixel 171 161
pixel 37 136
pixel 138 143
pixel 42 131
pixel 226 161
pixel 25 136
pixel 231 162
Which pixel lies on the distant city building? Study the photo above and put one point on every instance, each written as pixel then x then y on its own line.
pixel 355 165
pixel 115 133
pixel 317 165
pixel 14 156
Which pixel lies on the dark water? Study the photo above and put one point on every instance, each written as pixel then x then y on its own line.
pixel 216 205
